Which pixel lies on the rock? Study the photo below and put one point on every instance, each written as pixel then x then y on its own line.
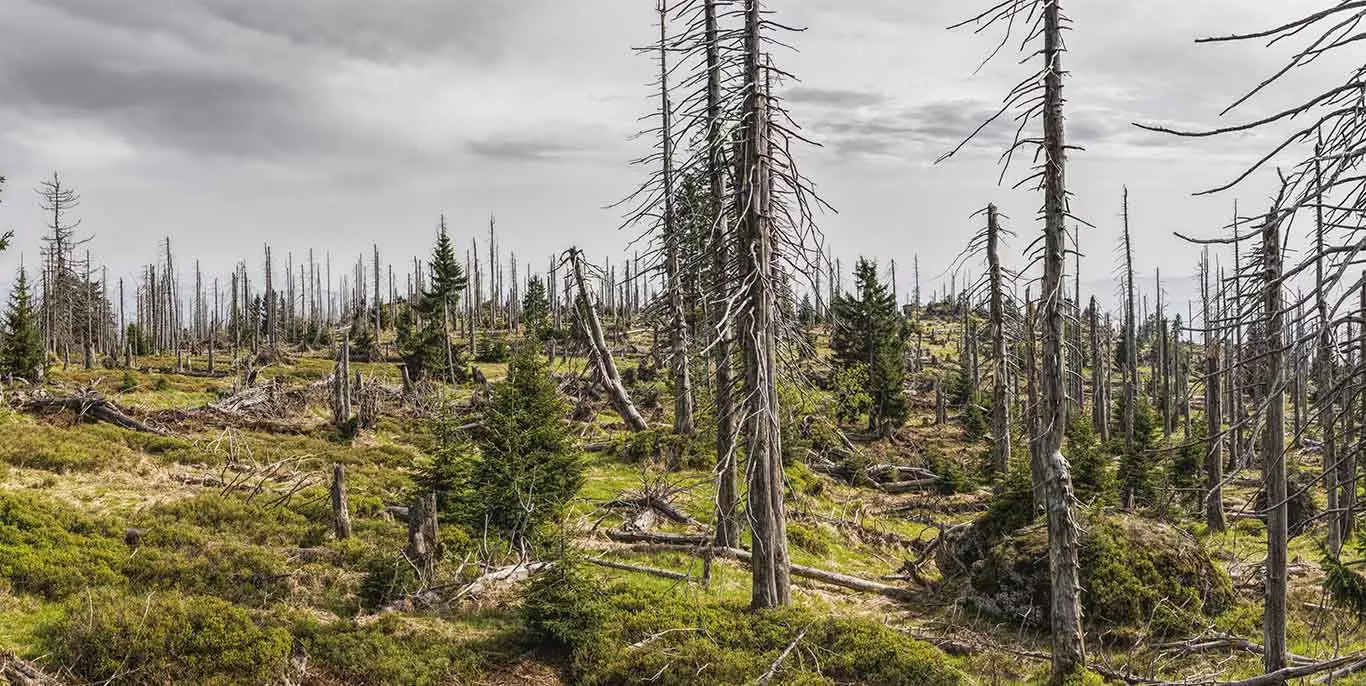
pixel 1134 572
pixel 1302 509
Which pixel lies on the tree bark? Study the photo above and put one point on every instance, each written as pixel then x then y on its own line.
pixel 770 569
pixel 1000 404
pixel 1063 534
pixel 1273 449
pixel 602 355
pixel 727 484
pixel 341 509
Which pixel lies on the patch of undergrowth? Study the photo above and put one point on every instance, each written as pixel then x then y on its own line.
pixel 162 638
pixel 622 634
pixel 388 651
pixel 251 521
pixel 52 551
pixel 82 448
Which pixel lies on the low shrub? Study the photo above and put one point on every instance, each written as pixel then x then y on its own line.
pixel 164 638
pixel 50 550
pixel 388 652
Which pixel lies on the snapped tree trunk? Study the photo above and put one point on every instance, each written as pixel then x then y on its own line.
pixel 602 356
pixel 341 510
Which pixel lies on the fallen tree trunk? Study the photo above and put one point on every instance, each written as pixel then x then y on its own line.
pixel 652 571
pixel 852 583
pixel 94 407
pixel 666 539
pixel 1279 676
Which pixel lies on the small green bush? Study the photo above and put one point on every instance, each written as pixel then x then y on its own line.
pixel 48 549
pixel 241 574
pixel 233 515
pixel 164 638
pixel 388 652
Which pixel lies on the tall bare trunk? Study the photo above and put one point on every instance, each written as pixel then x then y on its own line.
pixel 758 326
pixel 727 484
pixel 1130 337
pixel 1273 449
pixel 1214 419
pixel 1063 533
pixel 1000 403
pixel 683 410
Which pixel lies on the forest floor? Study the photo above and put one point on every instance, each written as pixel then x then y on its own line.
pixel 108 535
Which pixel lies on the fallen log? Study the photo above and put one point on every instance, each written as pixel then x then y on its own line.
pixel 92 406
pixel 652 571
pixel 852 583
pixel 1279 676
pixel 20 673
pixel 650 537
pixel 898 487
pixel 500 577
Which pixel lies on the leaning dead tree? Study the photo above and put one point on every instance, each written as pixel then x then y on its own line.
pixel 1039 99
pixel 602 355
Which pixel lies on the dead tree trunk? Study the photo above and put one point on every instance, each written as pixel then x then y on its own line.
pixel 1069 653
pixel 1032 415
pixel 602 356
pixel 1099 379
pixel 1273 449
pixel 1000 404
pixel 683 409
pixel 1130 334
pixel 771 574
pixel 1214 419
pixel 727 485
pixel 423 547
pixel 341 509
pixel 341 383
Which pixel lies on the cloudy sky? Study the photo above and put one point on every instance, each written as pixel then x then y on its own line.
pixel 332 124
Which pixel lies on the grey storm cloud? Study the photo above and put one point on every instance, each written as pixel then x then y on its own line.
pixel 516 146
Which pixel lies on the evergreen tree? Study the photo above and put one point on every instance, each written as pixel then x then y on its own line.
pixel 21 348
pixel 870 331
pixel 535 307
pixel 424 335
pixel 446 278
pixel 526 468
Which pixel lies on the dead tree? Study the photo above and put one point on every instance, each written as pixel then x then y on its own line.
pixel 994 281
pixel 602 355
pixel 1040 97
pixel 1273 448
pixel 1214 419
pixel 423 549
pixel 341 383
pixel 341 510
pixel 1130 333
pixel 728 487
pixel 1000 405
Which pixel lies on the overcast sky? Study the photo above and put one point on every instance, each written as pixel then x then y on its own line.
pixel 333 124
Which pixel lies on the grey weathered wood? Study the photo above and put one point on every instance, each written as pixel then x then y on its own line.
pixel 341 508
pixel 727 475
pixel 602 355
pixel 1000 403
pixel 770 569
pixel 1273 449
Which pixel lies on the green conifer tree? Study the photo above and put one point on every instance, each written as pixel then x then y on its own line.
pixel 869 330
pixel 21 348
pixel 535 307
pixel 524 467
